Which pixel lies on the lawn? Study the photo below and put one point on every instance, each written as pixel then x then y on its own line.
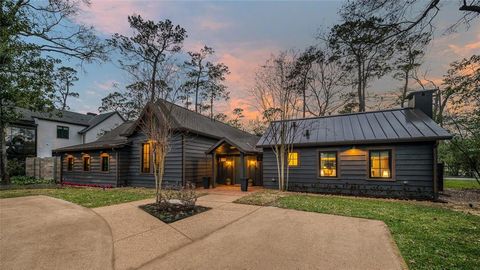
pixel 88 197
pixel 461 184
pixel 428 237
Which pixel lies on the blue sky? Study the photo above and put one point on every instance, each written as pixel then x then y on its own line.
pixel 244 35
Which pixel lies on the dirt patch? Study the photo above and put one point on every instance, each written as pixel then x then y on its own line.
pixel 467 200
pixel 173 213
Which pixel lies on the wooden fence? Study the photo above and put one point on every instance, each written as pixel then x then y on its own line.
pixel 43 168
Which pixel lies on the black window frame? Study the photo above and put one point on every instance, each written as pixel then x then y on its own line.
pixel 320 163
pixel 86 166
pixel 390 163
pixel 70 164
pixel 102 163
pixel 63 132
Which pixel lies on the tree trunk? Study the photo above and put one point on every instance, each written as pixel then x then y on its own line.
pixel 3 160
pixel 211 107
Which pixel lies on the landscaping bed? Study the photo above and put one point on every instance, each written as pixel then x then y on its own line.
pixel 172 213
pixel 428 235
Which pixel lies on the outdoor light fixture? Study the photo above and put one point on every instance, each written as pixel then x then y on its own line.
pixel 223 159
pixel 228 163
pixel 252 163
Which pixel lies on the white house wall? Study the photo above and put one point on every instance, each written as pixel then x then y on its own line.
pixel 108 124
pixel 47 136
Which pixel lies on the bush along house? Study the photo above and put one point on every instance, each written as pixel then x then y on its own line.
pixel 388 153
pixel 199 147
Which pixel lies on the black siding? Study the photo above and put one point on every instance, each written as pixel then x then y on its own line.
pixel 197 163
pixel 413 171
pixel 95 175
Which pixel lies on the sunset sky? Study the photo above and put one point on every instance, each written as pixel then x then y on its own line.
pixel 244 35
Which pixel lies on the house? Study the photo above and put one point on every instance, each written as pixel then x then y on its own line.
pixel 36 134
pixel 199 147
pixel 389 153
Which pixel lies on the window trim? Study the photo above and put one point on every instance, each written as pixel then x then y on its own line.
pixel 288 159
pixel 149 159
pixel 391 151
pixel 68 163
pixel 89 163
pixel 319 151
pixel 63 128
pixel 104 155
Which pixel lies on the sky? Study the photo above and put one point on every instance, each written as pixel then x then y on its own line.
pixel 244 35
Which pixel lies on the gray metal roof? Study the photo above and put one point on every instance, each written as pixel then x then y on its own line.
pixel 111 139
pixel 388 126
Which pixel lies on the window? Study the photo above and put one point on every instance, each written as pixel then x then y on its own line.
pixel 328 164
pixel 86 163
pixel 105 162
pixel 380 163
pixel 70 164
pixel 293 159
pixel 145 158
pixel 62 132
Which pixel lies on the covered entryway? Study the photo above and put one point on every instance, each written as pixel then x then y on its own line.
pixel 232 163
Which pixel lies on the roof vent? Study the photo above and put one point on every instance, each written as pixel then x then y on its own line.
pixel 91 113
pixel 307 134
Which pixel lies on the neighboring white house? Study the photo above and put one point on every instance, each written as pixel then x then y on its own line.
pixel 60 129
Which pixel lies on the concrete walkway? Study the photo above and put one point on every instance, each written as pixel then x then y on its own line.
pixel 40 232
pixel 234 236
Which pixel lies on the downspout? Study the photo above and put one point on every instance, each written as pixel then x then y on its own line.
pixel 435 172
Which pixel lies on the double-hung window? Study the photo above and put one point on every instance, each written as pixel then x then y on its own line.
pixel 86 163
pixel 328 164
pixel 146 153
pixel 62 132
pixel 293 159
pixel 380 163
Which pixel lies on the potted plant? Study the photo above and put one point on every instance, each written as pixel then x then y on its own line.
pixel 250 182
pixel 228 181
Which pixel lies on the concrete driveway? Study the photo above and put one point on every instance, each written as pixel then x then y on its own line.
pixel 234 236
pixel 40 232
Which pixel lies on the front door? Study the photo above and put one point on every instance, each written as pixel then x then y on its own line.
pixel 226 170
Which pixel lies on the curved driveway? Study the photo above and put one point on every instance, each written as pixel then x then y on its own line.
pixel 40 232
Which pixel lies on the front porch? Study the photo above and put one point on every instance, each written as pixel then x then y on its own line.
pixel 231 164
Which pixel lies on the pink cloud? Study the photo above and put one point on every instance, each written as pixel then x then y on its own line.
pixel 208 23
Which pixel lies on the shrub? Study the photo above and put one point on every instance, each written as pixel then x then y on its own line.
pixel 16 167
pixel 186 197
pixel 28 180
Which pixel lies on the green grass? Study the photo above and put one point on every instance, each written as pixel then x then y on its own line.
pixel 88 197
pixel 428 237
pixel 461 184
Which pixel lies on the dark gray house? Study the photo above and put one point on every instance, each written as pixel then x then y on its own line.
pixel 200 147
pixel 390 153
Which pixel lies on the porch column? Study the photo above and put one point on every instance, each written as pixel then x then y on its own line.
pixel 243 168
pixel 214 168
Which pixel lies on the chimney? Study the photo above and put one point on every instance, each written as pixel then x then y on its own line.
pixel 421 100
pixel 91 113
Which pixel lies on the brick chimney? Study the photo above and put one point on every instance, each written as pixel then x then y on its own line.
pixel 421 100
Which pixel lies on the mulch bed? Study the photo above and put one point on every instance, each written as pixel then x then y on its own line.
pixel 467 200
pixel 173 213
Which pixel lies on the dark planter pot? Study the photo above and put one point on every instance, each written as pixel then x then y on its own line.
pixel 206 182
pixel 244 184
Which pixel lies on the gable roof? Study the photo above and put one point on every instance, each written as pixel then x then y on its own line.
pixel 111 139
pixel 387 126
pixel 190 121
pixel 97 119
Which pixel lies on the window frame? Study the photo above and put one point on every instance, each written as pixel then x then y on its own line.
pixel 288 159
pixel 89 163
pixel 63 129
pixel 142 158
pixel 102 156
pixel 391 162
pixel 70 169
pixel 337 163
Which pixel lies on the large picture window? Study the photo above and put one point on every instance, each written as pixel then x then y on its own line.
pixel 105 162
pixel 328 164
pixel 69 164
pixel 292 159
pixel 380 163
pixel 86 163
pixel 62 132
pixel 146 157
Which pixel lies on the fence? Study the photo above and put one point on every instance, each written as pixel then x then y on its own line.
pixel 43 168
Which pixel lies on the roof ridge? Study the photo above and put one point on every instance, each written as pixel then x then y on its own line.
pixel 346 114
pixel 208 118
